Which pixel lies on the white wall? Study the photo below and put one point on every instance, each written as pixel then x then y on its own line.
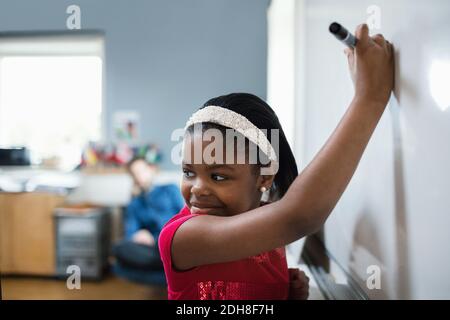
pixel 281 83
pixel 281 62
pixel 396 211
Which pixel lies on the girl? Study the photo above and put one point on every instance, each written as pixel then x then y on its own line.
pixel 227 244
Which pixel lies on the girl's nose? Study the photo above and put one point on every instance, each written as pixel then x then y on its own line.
pixel 200 188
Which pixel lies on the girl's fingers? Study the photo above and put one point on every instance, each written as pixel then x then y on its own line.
pixel 293 273
pixel 379 39
pixel 299 284
pixel 362 34
pixel 298 279
pixel 390 48
pixel 305 279
pixel 296 284
pixel 349 53
pixel 299 293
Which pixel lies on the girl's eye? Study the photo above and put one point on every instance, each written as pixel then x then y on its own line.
pixel 187 173
pixel 217 177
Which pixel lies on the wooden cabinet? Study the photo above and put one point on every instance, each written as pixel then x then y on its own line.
pixel 27 235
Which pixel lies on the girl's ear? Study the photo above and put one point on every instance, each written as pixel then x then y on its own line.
pixel 265 181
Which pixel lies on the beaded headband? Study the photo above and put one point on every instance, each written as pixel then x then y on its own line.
pixel 236 121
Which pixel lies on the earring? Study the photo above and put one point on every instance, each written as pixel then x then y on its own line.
pixel 263 189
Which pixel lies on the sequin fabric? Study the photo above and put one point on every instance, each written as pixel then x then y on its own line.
pixel 260 277
pixel 229 290
pixel 235 290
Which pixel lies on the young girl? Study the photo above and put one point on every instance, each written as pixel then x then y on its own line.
pixel 227 244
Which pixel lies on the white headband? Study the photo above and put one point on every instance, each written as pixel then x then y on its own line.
pixel 236 121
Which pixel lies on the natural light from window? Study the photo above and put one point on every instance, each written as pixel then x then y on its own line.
pixel 51 104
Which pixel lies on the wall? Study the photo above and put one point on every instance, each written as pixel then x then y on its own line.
pixel 164 58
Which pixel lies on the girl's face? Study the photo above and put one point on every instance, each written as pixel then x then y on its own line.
pixel 219 189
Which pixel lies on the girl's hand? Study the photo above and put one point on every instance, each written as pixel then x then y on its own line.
pixel 298 285
pixel 371 66
pixel 144 236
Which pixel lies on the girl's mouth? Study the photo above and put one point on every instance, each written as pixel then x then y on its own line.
pixel 199 208
pixel 196 210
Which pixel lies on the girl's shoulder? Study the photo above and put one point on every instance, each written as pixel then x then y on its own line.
pixel 168 232
pixel 184 212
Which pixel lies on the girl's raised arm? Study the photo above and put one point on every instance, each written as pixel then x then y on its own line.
pixel 315 192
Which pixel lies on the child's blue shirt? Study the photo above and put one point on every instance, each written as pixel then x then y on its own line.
pixel 151 210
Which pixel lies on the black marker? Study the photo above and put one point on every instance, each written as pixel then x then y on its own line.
pixel 342 34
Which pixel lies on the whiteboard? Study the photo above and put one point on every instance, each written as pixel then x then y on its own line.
pixel 395 213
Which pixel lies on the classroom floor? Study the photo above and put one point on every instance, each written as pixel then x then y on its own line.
pixel 110 288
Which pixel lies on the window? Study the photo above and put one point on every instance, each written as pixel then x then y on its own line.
pixel 51 96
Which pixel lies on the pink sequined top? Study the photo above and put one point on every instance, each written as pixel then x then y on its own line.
pixel 264 276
